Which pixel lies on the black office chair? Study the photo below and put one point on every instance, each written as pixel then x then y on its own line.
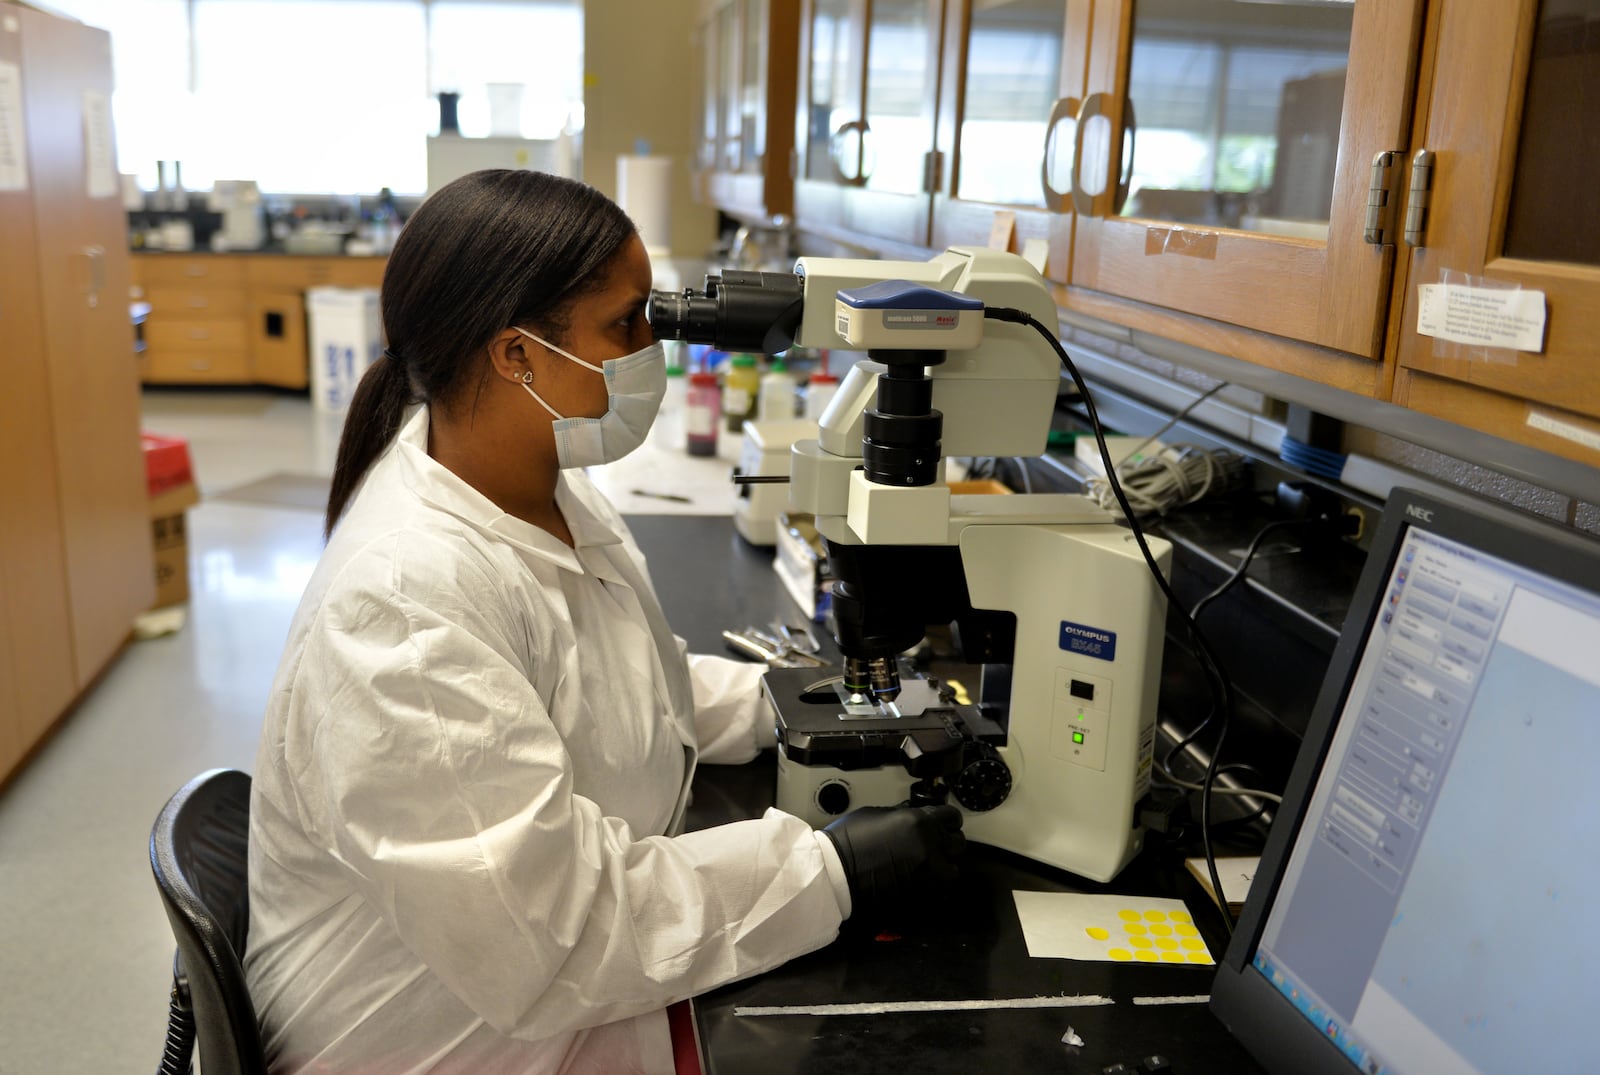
pixel 197 851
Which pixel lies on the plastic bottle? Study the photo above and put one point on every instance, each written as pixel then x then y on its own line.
pixel 739 388
pixel 668 429
pixel 820 390
pixel 776 399
pixel 385 222
pixel 702 411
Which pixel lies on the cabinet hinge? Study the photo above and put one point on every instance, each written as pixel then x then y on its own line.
pixel 1380 199
pixel 932 171
pixel 1418 198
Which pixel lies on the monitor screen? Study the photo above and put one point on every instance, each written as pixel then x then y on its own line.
pixel 1421 907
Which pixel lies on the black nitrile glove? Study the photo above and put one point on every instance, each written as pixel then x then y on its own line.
pixel 885 849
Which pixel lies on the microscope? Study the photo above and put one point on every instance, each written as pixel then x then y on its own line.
pixel 1048 598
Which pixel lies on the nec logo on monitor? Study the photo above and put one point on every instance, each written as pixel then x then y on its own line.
pixel 1425 514
pixel 1089 641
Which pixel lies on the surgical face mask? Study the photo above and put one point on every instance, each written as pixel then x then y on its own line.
pixel 636 383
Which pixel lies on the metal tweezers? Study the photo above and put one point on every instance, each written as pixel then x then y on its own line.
pixel 778 652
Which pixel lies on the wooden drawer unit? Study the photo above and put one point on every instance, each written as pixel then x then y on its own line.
pixel 198 301
pixel 197 330
pixel 195 334
pixel 219 365
pixel 236 319
pixel 290 273
pixel 168 270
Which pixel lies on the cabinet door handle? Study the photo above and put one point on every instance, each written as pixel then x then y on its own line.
pixel 94 258
pixel 1130 131
pixel 1082 200
pixel 836 148
pixel 1055 200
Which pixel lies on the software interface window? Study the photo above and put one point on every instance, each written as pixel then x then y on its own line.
pixel 1417 893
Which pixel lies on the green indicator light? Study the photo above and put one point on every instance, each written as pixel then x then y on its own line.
pixel 1077 737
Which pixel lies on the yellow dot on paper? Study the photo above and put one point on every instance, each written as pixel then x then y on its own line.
pixel 1128 916
pixel 1199 957
pixel 1139 942
pixel 1146 957
pixel 1194 944
pixel 1134 929
pixel 1186 931
pixel 1161 931
pixel 1121 955
pixel 1172 957
pixel 1166 942
pixel 1155 916
pixel 1181 916
pixel 1097 933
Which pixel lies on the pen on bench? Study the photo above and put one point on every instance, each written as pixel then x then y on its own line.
pixel 674 497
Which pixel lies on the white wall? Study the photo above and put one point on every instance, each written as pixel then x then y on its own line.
pixel 641 67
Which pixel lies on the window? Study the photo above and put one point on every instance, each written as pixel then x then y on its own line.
pixel 327 96
pixel 473 44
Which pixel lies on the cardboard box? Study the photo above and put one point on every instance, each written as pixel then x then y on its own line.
pixel 170 481
pixel 169 534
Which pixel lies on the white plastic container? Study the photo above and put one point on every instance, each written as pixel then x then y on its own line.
pixel 820 391
pixel 346 338
pixel 776 398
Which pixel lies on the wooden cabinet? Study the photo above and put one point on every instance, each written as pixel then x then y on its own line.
pixel 236 318
pixel 1012 83
pixel 1512 205
pixel 276 289
pixel 75 557
pixel 746 140
pixel 865 132
pixel 1237 176
pixel 1232 171
pixel 278 353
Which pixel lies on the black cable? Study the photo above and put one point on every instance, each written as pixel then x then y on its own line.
pixel 1201 605
pixel 1249 555
pixel 1180 416
pixel 1217 679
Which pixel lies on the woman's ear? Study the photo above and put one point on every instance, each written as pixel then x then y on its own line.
pixel 510 353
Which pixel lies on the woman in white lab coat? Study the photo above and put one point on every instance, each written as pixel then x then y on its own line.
pixel 465 844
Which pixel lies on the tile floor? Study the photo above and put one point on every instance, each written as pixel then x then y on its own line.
pixel 85 950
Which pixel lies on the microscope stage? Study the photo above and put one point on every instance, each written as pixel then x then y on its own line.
pixel 819 724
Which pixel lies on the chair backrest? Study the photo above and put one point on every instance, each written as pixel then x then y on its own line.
pixel 198 853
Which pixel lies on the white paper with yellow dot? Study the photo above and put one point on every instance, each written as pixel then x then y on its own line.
pixel 1118 929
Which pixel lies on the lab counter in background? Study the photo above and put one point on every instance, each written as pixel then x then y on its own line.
pixel 946 984
pixel 235 319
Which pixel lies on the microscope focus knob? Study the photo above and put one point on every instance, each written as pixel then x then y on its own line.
pixel 984 781
pixel 833 797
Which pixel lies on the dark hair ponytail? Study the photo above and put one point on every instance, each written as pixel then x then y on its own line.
pixel 373 419
pixel 493 249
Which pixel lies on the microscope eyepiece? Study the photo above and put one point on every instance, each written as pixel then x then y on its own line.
pixel 738 311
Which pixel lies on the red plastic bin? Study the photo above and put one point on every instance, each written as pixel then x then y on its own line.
pixel 166 462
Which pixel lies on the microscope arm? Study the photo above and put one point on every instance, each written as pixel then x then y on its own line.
pixel 997 398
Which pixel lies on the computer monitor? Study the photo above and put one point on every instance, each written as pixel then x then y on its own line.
pixel 1424 901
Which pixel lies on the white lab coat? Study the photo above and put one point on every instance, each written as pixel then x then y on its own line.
pixel 464 849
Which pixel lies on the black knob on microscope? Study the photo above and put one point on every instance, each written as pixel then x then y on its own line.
pixel 984 781
pixel 833 797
